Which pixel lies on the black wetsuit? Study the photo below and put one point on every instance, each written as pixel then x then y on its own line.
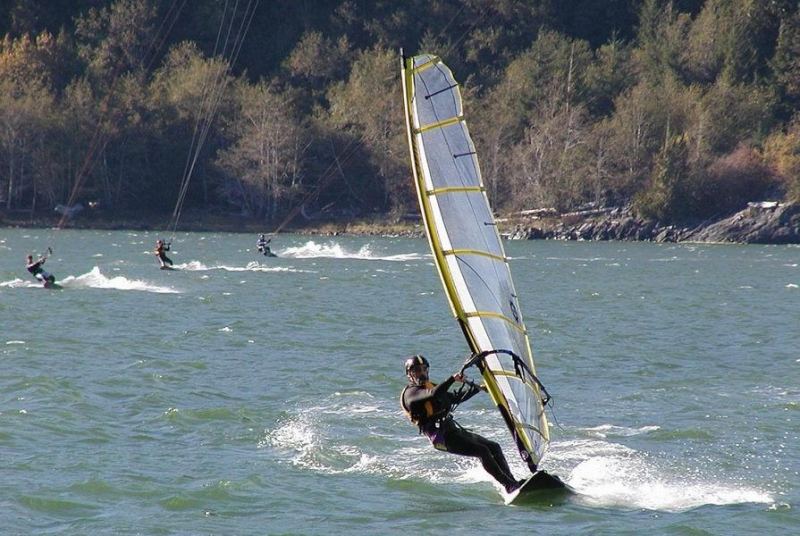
pixel 160 249
pixel 429 407
pixel 35 268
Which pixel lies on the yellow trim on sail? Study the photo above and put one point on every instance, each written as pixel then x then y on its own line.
pixel 408 90
pixel 478 252
pixel 456 189
pixel 440 124
pixel 423 66
pixel 491 314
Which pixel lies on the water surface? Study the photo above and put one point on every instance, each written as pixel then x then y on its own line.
pixel 246 395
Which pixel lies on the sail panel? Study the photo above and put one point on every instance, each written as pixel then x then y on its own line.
pixel 462 213
pixel 450 156
pixel 467 247
pixel 436 99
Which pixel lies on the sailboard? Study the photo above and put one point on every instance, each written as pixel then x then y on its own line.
pixel 469 254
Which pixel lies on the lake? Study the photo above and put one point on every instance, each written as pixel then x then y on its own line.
pixel 241 394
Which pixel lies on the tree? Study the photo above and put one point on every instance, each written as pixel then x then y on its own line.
pixel 368 105
pixel 782 154
pixel 544 82
pixel 786 62
pixel 661 40
pixel 732 113
pixel 117 39
pixel 26 107
pixel 188 92
pixel 608 75
pixel 264 163
pixel 667 197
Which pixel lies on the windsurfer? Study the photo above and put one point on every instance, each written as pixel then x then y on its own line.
pixel 430 407
pixel 161 247
pixel 35 268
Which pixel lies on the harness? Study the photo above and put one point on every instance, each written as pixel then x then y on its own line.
pixel 435 424
pixel 430 414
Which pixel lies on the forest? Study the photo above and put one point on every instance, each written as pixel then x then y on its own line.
pixel 683 110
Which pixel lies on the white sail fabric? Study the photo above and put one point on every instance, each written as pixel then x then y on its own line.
pixel 467 247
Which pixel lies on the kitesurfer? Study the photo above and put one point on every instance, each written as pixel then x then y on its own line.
pixel 430 406
pixel 161 247
pixel 263 247
pixel 35 268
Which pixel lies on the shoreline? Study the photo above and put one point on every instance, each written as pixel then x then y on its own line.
pixel 759 223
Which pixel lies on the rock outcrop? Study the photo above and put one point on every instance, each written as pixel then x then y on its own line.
pixel 759 223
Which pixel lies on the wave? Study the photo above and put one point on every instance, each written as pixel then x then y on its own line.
pixel 610 475
pixel 252 266
pixel 95 279
pixel 334 250
pixel 355 432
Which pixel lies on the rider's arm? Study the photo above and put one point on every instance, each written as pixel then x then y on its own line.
pixel 420 395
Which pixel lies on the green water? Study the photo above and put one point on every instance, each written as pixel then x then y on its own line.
pixel 245 395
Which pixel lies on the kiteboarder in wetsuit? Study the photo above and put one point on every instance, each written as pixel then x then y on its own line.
pixel 161 247
pixel 35 268
pixel 429 406
pixel 263 248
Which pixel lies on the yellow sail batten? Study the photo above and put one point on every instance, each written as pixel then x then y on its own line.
pixel 504 373
pixel 423 66
pixel 477 252
pixel 439 124
pixel 504 318
pixel 455 190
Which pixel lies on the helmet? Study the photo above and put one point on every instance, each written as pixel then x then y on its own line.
pixel 416 360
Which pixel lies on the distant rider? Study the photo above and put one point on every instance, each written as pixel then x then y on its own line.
pixel 35 268
pixel 263 248
pixel 161 247
pixel 429 406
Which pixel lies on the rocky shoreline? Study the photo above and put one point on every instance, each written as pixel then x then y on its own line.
pixel 759 223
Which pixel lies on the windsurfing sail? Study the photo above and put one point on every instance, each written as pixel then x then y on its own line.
pixel 469 253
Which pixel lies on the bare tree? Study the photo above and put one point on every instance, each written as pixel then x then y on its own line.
pixel 265 161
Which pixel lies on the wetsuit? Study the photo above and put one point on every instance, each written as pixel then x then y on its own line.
pixel 428 406
pixel 263 247
pixel 35 268
pixel 162 257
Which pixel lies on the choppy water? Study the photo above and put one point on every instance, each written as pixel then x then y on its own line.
pixel 243 395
